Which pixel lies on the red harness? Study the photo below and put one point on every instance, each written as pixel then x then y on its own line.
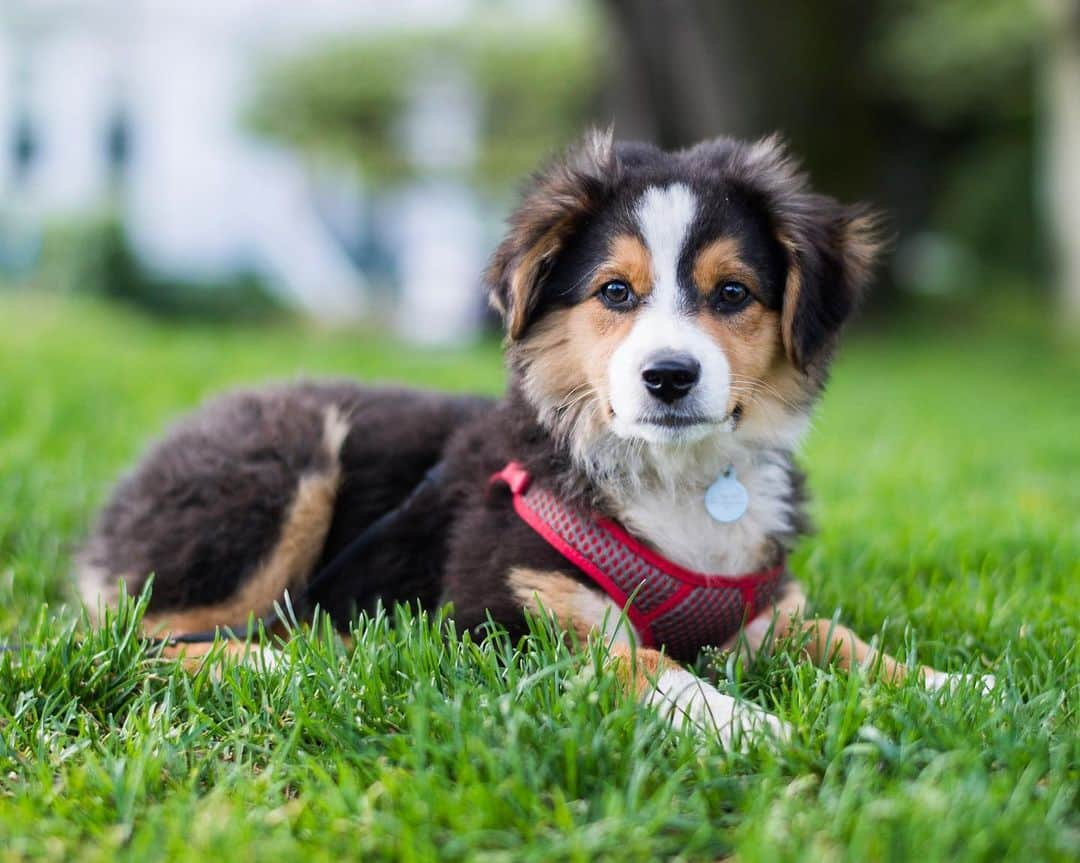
pixel 670 607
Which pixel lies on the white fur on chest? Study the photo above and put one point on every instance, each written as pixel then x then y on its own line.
pixel 671 517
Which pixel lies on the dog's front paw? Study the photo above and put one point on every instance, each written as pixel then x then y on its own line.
pixel 936 680
pixel 689 702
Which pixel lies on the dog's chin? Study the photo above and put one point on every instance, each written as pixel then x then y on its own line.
pixel 669 429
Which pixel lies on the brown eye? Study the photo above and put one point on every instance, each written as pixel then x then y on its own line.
pixel 617 295
pixel 730 297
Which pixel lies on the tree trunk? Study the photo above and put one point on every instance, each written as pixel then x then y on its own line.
pixel 678 76
pixel 1061 97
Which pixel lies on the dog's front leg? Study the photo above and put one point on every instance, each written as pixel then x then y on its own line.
pixel 684 699
pixel 827 641
pixel 687 701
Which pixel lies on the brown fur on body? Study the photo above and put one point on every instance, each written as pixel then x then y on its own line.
pixel 260 490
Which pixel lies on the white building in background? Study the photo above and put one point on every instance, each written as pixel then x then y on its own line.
pixel 144 99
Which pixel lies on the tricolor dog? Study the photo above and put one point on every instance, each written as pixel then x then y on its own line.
pixel 670 318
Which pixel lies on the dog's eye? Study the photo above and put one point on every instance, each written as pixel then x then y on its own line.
pixel 617 295
pixel 730 296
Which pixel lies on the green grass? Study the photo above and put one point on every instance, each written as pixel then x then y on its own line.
pixel 946 467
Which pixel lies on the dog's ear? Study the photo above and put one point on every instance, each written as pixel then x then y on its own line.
pixel 831 248
pixel 831 256
pixel 557 200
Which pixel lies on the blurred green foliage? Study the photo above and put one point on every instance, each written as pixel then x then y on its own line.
pixel 92 255
pixel 959 58
pixel 535 87
pixel 968 72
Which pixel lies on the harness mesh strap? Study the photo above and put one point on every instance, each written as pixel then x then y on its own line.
pixel 670 607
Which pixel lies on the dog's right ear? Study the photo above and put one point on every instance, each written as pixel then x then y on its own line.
pixel 556 201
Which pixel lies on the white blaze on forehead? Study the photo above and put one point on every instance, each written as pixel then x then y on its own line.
pixel 664 216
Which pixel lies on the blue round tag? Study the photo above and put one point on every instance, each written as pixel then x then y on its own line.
pixel 726 499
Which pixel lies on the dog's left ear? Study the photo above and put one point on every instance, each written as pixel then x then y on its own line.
pixel 831 248
pixel 557 200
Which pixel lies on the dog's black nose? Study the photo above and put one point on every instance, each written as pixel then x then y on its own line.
pixel 669 377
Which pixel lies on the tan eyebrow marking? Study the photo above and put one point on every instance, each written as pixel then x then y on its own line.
pixel 628 259
pixel 722 259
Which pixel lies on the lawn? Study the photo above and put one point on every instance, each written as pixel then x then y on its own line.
pixel 946 467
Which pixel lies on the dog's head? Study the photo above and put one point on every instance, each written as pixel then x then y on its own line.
pixel 669 298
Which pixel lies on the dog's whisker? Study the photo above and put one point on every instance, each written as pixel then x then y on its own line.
pixel 770 389
pixel 575 397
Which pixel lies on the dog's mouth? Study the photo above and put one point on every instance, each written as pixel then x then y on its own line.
pixel 674 420
pixel 674 426
pixel 678 421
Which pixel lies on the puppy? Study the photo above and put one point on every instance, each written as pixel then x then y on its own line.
pixel 670 319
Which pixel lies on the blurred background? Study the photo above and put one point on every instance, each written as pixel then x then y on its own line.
pixel 351 161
